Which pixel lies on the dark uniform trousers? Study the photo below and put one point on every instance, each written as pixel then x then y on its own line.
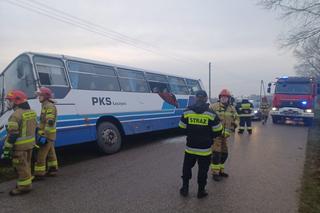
pixel 203 163
pixel 245 121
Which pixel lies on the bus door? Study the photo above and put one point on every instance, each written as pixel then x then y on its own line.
pixel 51 73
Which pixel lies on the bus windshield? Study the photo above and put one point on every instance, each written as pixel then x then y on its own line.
pixel 18 75
pixel 293 88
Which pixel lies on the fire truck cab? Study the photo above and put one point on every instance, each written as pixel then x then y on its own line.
pixel 293 99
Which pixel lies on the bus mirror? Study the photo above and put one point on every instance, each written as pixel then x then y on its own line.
pixel 269 88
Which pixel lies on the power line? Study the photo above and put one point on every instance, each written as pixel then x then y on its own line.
pixel 93 24
pixel 88 26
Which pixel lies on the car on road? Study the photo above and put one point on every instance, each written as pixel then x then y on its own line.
pixel 256 113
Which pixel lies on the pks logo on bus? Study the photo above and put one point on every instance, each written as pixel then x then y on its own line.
pixel 106 101
pixel 102 101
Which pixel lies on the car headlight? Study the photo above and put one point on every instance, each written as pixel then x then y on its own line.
pixel 255 111
pixel 309 110
pixel 274 108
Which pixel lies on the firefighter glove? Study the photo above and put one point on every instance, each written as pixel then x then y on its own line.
pixel 41 140
pixel 7 153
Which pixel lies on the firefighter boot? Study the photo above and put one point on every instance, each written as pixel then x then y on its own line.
pixel 240 131
pixel 201 192
pixel 16 191
pixel 52 172
pixel 38 178
pixel 184 191
pixel 223 174
pixel 250 131
pixel 216 177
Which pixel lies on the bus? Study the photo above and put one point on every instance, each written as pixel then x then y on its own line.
pixel 98 101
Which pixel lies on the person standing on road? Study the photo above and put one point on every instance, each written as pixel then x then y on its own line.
pixel 201 125
pixel 20 139
pixel 245 109
pixel 229 119
pixel 46 136
pixel 264 109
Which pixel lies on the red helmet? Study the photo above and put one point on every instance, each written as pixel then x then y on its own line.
pixel 45 92
pixel 17 96
pixel 225 92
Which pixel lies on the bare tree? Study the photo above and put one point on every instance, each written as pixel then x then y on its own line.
pixel 304 36
pixel 306 17
pixel 308 57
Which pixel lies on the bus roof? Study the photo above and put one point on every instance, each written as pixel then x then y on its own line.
pixel 66 57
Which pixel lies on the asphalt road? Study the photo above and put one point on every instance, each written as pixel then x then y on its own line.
pixel 265 171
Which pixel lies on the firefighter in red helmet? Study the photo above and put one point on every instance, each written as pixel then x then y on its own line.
pixel 229 119
pixel 46 136
pixel 20 139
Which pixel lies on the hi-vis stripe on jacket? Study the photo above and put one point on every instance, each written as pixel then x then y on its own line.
pixel 48 119
pixel 228 116
pixel 21 130
pixel 245 109
pixel 201 125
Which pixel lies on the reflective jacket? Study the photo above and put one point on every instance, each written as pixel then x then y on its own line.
pixel 245 109
pixel 21 129
pixel 228 116
pixel 48 120
pixel 201 125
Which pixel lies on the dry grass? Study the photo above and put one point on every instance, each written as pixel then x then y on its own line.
pixel 310 191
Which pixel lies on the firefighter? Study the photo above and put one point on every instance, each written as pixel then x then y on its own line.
pixel 244 110
pixel 20 139
pixel 229 119
pixel 46 136
pixel 201 125
pixel 264 109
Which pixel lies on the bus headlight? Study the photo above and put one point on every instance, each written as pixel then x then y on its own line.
pixel 274 108
pixel 255 111
pixel 309 110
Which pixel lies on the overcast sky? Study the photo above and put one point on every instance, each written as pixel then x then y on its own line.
pixel 181 36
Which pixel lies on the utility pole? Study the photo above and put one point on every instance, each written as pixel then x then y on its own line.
pixel 210 82
pixel 262 89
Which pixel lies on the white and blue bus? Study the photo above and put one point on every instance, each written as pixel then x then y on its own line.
pixel 98 101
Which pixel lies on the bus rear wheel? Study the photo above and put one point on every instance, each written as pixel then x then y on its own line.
pixel 109 138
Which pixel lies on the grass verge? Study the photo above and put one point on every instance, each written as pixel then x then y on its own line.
pixel 310 189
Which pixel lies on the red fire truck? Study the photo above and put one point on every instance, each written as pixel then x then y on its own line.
pixel 293 99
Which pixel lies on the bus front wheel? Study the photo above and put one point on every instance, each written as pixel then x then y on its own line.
pixel 109 138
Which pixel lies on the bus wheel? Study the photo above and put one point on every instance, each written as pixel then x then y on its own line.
pixel 109 138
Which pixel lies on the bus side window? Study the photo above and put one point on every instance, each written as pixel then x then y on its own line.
pixel 178 85
pixel 132 81
pixel 44 78
pixel 193 86
pixel 89 76
pixel 157 82
pixel 51 71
